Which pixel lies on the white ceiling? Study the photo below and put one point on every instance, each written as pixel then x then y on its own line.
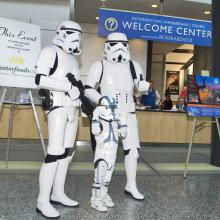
pixel 87 10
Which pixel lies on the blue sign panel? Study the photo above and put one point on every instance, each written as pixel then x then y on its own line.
pixel 155 27
pixel 203 111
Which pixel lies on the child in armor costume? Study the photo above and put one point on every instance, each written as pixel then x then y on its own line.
pixel 107 127
pixel 56 66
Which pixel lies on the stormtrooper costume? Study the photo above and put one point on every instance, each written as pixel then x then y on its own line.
pixel 113 74
pixel 107 126
pixel 55 64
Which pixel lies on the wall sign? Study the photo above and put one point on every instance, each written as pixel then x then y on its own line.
pixel 155 27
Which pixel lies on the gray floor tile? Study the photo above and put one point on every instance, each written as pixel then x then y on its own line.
pixel 167 198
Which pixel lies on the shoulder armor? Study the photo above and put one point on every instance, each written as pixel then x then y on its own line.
pixel 95 73
pixel 47 57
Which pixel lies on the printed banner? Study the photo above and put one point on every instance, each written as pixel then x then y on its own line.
pixel 172 82
pixel 155 27
pixel 19 47
pixel 203 96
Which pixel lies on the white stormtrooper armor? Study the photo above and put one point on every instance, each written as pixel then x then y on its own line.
pixel 107 126
pixel 56 62
pixel 115 76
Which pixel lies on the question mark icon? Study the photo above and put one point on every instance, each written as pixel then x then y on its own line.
pixel 111 24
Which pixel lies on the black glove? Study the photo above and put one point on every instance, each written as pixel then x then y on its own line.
pixel 76 83
pixel 71 78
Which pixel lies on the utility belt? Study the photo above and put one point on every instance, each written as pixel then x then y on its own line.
pixel 55 98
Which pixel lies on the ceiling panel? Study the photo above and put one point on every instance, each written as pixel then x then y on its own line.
pixel 87 10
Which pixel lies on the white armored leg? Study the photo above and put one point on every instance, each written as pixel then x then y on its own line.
pixel 46 178
pixel 131 170
pixel 58 195
pixel 104 189
pixel 96 199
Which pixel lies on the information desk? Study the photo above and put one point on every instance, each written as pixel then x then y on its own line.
pixel 154 126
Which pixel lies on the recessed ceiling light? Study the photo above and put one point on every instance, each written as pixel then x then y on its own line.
pixel 154 6
pixel 207 12
pixel 97 18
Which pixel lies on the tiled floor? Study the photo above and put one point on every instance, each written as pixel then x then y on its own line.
pixel 167 198
pixel 153 160
pixel 160 178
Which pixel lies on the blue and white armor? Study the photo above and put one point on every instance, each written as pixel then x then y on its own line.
pixel 107 126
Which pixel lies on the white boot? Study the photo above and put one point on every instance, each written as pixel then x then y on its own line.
pixel 58 196
pixel 96 201
pixel 46 179
pixel 106 198
pixel 131 170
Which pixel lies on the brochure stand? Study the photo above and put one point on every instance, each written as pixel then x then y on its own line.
pixel 13 104
pixel 195 128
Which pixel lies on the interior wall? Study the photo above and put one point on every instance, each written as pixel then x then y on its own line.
pixel 160 49
pixel 46 13
pixel 202 60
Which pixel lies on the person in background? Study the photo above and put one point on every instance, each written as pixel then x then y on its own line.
pixel 183 93
pixel 151 98
pixel 167 103
pixel 180 105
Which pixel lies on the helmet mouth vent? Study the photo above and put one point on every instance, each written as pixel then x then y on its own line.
pixel 76 50
pixel 119 58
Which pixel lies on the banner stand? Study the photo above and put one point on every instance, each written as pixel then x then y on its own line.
pixel 13 104
pixel 2 98
pixel 194 130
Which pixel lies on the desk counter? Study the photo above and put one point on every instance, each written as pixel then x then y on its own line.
pixel 154 126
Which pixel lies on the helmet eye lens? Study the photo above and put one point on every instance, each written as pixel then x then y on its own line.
pixel 125 44
pixel 112 44
pixel 70 32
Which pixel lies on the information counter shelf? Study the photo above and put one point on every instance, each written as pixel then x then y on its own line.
pixel 154 126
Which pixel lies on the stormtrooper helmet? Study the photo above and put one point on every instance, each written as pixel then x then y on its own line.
pixel 107 106
pixel 68 37
pixel 117 48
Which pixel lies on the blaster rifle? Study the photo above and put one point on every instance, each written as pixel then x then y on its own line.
pixel 87 106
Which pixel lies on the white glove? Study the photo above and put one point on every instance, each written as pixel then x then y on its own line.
pixel 74 93
pixel 143 86
pixel 123 131
pixel 96 128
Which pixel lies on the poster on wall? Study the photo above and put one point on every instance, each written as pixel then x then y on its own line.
pixel 172 82
pixel 203 96
pixel 19 50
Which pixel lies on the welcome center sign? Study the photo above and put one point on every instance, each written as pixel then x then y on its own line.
pixel 155 27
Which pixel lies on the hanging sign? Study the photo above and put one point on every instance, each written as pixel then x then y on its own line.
pixel 203 94
pixel 155 27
